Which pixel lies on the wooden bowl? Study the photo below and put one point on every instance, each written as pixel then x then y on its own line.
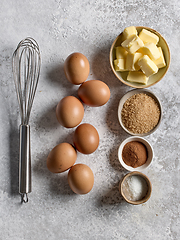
pixel 153 79
pixel 123 190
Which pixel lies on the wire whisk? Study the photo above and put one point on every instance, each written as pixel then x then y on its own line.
pixel 26 71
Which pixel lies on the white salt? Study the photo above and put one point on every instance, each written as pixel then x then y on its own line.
pixel 135 187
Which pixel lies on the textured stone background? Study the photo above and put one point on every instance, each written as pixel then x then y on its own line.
pixel 53 211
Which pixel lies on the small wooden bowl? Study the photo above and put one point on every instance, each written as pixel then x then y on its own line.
pixel 122 76
pixel 149 188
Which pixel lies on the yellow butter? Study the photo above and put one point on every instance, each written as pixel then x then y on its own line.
pixel 160 62
pixel 138 77
pixel 119 64
pixel 131 61
pixel 129 31
pixel 147 36
pixel 132 44
pixel 147 66
pixel 121 52
pixel 151 50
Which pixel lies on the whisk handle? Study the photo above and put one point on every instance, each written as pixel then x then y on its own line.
pixel 24 162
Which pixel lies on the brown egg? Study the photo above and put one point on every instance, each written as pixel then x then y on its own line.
pixel 81 179
pixel 61 158
pixel 94 93
pixel 76 68
pixel 69 112
pixel 86 138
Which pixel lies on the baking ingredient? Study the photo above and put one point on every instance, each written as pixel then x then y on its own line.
pixel 81 179
pixel 147 66
pixel 129 31
pixel 76 68
pixel 134 154
pixel 61 158
pixel 160 62
pixel 120 64
pixel 133 48
pixel 120 52
pixel 86 138
pixel 147 36
pixel 151 50
pixel 138 77
pixel 132 61
pixel 132 44
pixel 135 187
pixel 94 93
pixel 140 113
pixel 69 112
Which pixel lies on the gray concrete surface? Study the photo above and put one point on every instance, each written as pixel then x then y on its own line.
pixel 54 211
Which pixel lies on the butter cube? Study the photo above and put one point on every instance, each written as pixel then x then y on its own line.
pixel 129 31
pixel 121 52
pixel 132 44
pixel 132 61
pixel 138 77
pixel 147 66
pixel 147 36
pixel 119 64
pixel 151 50
pixel 160 62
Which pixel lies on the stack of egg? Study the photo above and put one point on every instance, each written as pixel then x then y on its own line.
pixel 69 113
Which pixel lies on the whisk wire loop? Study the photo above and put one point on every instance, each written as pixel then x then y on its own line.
pixel 26 69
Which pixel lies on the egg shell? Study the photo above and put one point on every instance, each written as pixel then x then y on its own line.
pixel 76 68
pixel 81 179
pixel 86 138
pixel 61 158
pixel 69 112
pixel 94 93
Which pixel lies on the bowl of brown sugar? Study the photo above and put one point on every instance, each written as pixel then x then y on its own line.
pixel 139 112
pixel 135 153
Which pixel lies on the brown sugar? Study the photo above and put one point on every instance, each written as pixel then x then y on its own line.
pixel 140 113
pixel 134 154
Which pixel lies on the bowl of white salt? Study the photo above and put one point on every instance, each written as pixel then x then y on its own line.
pixel 135 188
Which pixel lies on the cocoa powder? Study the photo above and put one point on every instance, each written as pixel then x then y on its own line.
pixel 134 154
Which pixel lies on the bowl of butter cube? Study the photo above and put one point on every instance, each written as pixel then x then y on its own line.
pixel 139 57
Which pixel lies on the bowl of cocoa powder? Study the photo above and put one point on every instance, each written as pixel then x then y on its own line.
pixel 135 153
pixel 139 112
